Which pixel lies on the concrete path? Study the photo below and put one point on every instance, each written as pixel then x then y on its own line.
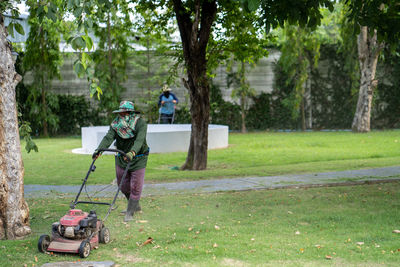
pixel 80 264
pixel 234 184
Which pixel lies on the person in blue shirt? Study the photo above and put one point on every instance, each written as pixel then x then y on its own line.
pixel 167 102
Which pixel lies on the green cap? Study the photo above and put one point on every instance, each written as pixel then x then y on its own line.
pixel 125 106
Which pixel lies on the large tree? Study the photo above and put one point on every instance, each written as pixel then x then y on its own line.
pixel 195 20
pixel 378 23
pixel 14 212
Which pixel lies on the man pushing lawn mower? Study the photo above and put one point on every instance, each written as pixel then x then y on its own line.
pixel 129 130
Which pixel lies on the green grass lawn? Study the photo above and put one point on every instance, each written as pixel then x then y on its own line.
pixel 350 225
pixel 253 154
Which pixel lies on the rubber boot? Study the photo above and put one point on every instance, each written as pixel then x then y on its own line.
pixel 137 209
pixel 132 206
pixel 127 198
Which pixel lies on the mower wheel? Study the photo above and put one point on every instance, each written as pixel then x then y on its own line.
pixel 84 249
pixel 104 235
pixel 44 242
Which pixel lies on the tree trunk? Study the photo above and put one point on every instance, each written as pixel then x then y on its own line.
pixel 308 104
pixel 243 111
pixel 44 106
pixel 43 83
pixel 243 96
pixel 303 114
pixel 14 212
pixel 195 35
pixel 368 52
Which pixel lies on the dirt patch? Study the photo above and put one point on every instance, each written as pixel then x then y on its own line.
pixel 129 258
pixel 233 262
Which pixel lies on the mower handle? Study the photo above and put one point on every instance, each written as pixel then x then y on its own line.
pixel 92 168
pixel 112 150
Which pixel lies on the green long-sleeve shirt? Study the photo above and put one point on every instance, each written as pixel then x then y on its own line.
pixel 137 144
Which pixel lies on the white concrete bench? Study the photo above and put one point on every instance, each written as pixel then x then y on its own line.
pixel 161 138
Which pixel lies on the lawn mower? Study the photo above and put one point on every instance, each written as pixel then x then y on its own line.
pixel 78 231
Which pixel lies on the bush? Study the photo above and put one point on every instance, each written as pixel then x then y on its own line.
pixel 259 114
pixel 223 112
pixel 75 112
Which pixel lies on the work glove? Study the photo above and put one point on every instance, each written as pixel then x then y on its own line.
pixel 96 154
pixel 130 155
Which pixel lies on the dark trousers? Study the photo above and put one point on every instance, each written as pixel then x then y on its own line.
pixel 133 183
pixel 166 118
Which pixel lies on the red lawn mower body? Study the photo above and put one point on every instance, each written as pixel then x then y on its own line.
pixel 64 237
pixel 78 231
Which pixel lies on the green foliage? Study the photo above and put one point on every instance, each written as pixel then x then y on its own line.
pixel 306 13
pixel 333 96
pixel 75 112
pixel 182 115
pixel 223 112
pixel 386 108
pixel 259 115
pixel 148 105
pixel 243 44
pixel 300 47
pixel 80 39
pixel 300 54
pixel 281 111
pixel 383 16
pixel 11 6
pixel 348 46
pixel 111 56
pixel 68 113
pixel 241 91
pixel 25 133
pixel 43 58
pixel 155 63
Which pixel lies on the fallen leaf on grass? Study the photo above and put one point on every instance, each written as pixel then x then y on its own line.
pixel 360 243
pixel 297 232
pixel 396 231
pixel 215 245
pixel 148 241
pixel 216 227
pixel 142 221
pixel 36 260
pixel 190 229
pixel 328 257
